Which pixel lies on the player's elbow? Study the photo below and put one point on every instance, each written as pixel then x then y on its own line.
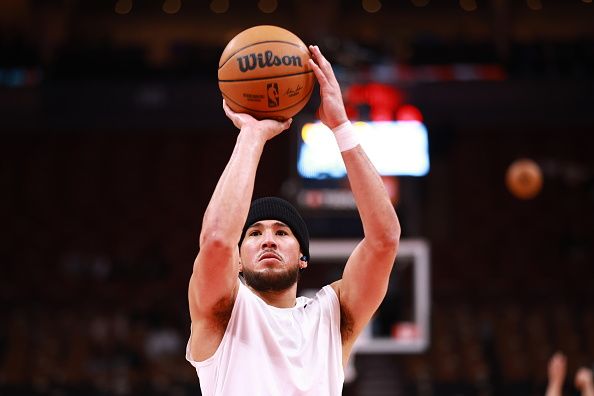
pixel 215 242
pixel 387 240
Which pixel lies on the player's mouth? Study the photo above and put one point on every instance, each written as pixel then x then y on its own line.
pixel 269 255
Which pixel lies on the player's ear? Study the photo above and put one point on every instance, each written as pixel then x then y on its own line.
pixel 239 263
pixel 303 261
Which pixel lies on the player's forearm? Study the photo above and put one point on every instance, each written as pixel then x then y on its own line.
pixel 380 223
pixel 229 205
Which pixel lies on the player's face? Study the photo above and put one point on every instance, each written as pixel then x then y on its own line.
pixel 270 256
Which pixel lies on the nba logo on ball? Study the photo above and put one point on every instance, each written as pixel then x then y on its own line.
pixel 273 98
pixel 264 71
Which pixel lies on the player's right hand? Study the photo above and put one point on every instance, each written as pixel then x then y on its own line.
pixel 265 128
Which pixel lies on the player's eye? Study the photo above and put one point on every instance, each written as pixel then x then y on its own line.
pixel 254 233
pixel 282 232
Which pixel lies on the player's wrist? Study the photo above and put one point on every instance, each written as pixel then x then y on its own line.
pixel 253 135
pixel 345 136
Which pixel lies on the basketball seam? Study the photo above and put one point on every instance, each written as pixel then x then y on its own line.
pixel 276 110
pixel 260 42
pixel 267 78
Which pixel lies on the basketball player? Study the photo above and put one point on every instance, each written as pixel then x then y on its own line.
pixel 255 336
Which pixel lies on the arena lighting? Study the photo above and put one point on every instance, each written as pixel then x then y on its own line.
pixel 123 7
pixel 171 6
pixel 409 113
pixel 267 6
pixel 219 6
pixel 396 148
pixel 371 6
pixel 19 77
pixel 468 5
pixel 534 5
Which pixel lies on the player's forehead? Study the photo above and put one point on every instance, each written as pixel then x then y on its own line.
pixel 268 224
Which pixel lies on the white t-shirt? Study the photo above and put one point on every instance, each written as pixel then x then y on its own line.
pixel 269 351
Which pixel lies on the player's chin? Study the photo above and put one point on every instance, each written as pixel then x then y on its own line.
pixel 272 279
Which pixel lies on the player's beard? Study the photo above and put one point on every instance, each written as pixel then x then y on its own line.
pixel 267 281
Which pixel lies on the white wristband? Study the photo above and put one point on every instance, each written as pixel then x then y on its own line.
pixel 345 136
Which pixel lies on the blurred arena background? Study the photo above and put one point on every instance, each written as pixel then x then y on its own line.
pixel 113 138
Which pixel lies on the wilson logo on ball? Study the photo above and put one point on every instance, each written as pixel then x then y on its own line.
pixel 267 59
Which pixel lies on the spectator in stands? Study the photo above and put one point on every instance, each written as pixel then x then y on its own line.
pixel 584 381
pixel 557 370
pixel 556 373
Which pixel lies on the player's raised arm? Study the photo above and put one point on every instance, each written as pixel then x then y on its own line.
pixel 365 278
pixel 214 277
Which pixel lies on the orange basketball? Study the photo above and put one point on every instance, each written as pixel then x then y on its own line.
pixel 524 178
pixel 264 71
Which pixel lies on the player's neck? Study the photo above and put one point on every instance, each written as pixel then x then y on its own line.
pixel 279 299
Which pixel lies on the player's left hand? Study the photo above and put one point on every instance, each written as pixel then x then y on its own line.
pixel 332 112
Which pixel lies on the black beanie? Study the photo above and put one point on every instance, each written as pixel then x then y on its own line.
pixel 273 208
